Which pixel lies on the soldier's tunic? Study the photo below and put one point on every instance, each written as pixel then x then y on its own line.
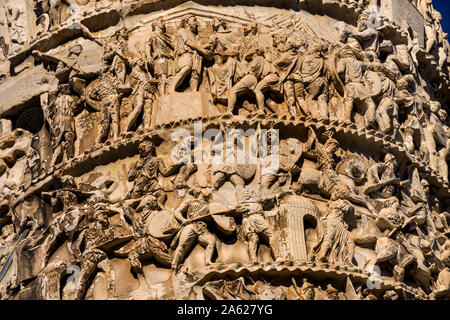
pixel 354 84
pixel 185 55
pixel 145 176
pixel 254 222
pixel 161 53
pixel 64 121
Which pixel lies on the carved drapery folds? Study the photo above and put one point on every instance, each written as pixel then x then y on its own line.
pixel 329 153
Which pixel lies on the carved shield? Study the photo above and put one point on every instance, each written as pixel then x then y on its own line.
pixel 439 134
pixel 87 93
pixel 290 152
pixel 225 224
pixel 162 225
pixel 246 171
pixel 374 83
pixel 331 64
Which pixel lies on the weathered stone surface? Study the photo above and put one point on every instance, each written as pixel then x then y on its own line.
pixel 18 92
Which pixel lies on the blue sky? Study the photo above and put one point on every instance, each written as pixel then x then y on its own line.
pixel 443 6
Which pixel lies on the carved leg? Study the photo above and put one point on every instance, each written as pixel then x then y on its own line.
pixel 207 239
pixel 443 166
pixel 56 156
pixel 263 86
pixel 244 85
pixel 89 263
pixel 133 257
pixel 193 83
pixel 138 105
pixel 162 85
pixel 382 117
pixel 187 237
pixel 289 91
pixel 348 109
pixel 179 77
pixel 268 234
pixel 370 113
pixel 409 140
pixel 115 118
pixel 323 105
pixel 322 255
pixel 218 180
pixel 70 145
pixel 253 241
pixel 104 123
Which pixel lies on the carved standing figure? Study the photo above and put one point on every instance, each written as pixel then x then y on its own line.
pixel 188 54
pixel 160 47
pixel 63 127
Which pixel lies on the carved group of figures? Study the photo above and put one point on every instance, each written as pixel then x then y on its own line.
pixel 368 80
pixel 365 206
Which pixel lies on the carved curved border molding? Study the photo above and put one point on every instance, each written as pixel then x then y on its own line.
pixel 339 273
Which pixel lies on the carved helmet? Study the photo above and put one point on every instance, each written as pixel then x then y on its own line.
pixel 146 148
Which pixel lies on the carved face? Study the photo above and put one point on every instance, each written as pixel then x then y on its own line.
pixel 250 28
pixel 217 23
pixel 146 149
pixel 362 24
pixel 193 24
pixel 308 293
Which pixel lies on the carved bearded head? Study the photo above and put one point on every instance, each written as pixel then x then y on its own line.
pixel 216 23
pixel 190 22
pixel 146 148
pixel 250 28
pixel 159 24
pixel 362 22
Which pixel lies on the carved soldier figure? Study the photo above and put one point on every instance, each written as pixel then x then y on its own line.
pixel 387 111
pixel 226 168
pixel 384 175
pixel 144 173
pixel 336 246
pixel 288 64
pixel 194 207
pixel 313 73
pixel 143 94
pixel 68 68
pixel 116 53
pixel 356 93
pixel 362 38
pixel 188 54
pixel 411 106
pixel 105 98
pixel 435 136
pixel 87 252
pixel 63 127
pixel 160 47
pixel 245 80
pixel 255 224
pixel 224 45
pixel 147 247
pixel 17 30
